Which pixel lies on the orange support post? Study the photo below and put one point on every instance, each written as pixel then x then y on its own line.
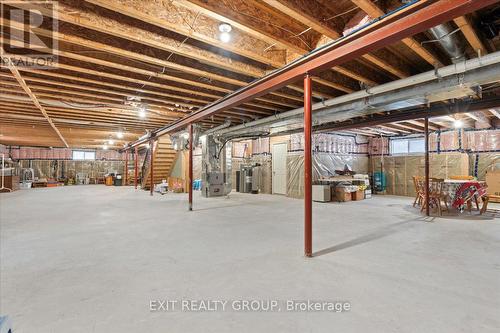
pixel 307 167
pixel 136 171
pixel 151 168
pixel 427 171
pixel 190 166
pixel 126 168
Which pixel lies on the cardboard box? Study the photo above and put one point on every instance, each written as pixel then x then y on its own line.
pixel 343 196
pixel 358 195
pixel 493 182
pixel 321 193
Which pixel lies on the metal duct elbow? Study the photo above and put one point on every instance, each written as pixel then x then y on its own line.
pixel 453 46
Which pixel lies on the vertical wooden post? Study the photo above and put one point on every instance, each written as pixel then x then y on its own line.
pixel 151 167
pixel 426 130
pixel 126 169
pixel 136 171
pixel 190 167
pixel 307 166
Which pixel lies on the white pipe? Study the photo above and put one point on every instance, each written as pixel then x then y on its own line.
pixel 454 69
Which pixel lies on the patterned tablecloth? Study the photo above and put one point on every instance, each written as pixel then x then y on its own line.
pixel 461 191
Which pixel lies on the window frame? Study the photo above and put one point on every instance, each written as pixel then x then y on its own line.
pixel 407 143
pixel 87 155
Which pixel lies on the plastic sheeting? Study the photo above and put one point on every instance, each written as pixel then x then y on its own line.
pixel 330 143
pixel 323 164
pixel 378 146
pixel 480 163
pixel 448 140
pixel 37 153
pixel 68 169
pixel 242 149
pixel 486 140
pixel 400 170
pixel 260 146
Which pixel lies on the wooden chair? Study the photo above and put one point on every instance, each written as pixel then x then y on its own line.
pixel 486 200
pixel 436 194
pixel 463 177
pixel 419 190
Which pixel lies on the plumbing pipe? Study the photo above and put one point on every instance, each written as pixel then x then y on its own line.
pixel 458 68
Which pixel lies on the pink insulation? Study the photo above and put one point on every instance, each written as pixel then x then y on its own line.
pixel 108 155
pixel 482 140
pixel 448 141
pixel 260 146
pixel 331 143
pixel 36 153
pixel 378 146
pixel 357 21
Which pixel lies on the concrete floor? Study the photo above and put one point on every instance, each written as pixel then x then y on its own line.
pixel 90 259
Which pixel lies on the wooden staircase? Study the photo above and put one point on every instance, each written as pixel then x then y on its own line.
pixel 164 157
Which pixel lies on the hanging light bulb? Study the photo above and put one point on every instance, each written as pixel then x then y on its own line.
pixel 142 112
pixel 458 123
pixel 105 147
pixel 111 142
pixel 119 135
pixel 225 35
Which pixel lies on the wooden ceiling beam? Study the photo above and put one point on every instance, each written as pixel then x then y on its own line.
pixel 92 20
pixel 243 115
pixel 133 92
pixel 32 96
pixel 65 119
pixel 143 100
pixel 301 15
pixel 104 91
pixel 396 127
pixel 256 27
pixel 100 47
pixel 171 16
pixel 370 8
pixel 470 34
pixel 259 27
pixel 420 123
pixel 101 104
pixel 495 112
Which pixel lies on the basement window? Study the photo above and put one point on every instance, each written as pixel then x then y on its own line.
pixel 84 155
pixel 407 146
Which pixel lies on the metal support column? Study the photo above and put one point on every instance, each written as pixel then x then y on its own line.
pixel 151 167
pixel 190 166
pixel 136 171
pixel 307 166
pixel 126 168
pixel 426 130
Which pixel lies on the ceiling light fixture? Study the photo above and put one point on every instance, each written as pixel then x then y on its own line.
pixel 105 147
pixel 458 123
pixel 119 135
pixel 225 32
pixel 111 142
pixel 142 112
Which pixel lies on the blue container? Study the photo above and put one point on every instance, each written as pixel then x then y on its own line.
pixel 379 181
pixel 197 184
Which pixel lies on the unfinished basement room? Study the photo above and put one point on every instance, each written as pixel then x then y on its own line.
pixel 250 166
